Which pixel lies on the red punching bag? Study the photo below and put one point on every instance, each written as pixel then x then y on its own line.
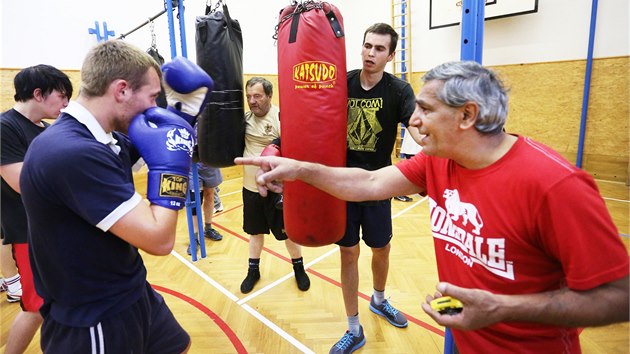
pixel 313 95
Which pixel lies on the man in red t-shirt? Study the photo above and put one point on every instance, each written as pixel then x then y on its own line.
pixel 522 238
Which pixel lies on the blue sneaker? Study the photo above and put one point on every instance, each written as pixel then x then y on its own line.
pixel 388 311
pixel 349 343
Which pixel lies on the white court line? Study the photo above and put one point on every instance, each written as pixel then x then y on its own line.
pixel 617 200
pixel 205 276
pixel 286 277
pixel 226 194
pixel 265 289
pixel 278 330
pixel 256 314
pixel 247 308
pixel 409 208
pixel 607 181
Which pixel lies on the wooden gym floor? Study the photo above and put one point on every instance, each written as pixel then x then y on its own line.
pixel 276 317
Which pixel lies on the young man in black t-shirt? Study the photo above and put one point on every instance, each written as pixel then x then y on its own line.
pixel 41 92
pixel 377 103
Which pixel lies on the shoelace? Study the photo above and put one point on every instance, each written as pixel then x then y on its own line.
pixel 345 341
pixel 389 308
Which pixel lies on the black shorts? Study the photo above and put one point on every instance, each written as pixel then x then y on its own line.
pixel 148 326
pixel 260 215
pixel 371 219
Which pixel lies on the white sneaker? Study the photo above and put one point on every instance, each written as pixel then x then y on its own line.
pixel 14 297
pixel 218 208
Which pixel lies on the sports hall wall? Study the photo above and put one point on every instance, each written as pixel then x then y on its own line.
pixel 541 56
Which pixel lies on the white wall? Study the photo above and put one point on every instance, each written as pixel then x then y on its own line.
pixel 56 32
pixel 558 31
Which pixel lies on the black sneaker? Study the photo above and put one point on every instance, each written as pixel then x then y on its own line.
pixel 303 282
pixel 403 198
pixel 349 343
pixel 253 275
pixel 212 234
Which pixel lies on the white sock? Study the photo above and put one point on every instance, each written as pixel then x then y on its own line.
pixel 379 296
pixel 353 324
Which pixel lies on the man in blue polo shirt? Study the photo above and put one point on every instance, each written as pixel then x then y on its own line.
pixel 87 222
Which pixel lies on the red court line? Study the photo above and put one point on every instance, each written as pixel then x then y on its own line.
pixel 368 298
pixel 226 210
pixel 325 278
pixel 240 348
pixel 278 255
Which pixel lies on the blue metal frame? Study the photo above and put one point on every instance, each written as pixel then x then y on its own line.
pixel 473 16
pixel 195 174
pixel 403 51
pixel 97 32
pixel 473 13
pixel 587 84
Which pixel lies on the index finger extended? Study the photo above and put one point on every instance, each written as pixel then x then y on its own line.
pixel 256 161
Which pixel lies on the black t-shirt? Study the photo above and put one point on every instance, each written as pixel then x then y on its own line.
pixel 373 118
pixel 16 134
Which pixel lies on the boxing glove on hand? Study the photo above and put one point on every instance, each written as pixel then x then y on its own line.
pixel 165 141
pixel 271 150
pixel 187 88
pixel 274 150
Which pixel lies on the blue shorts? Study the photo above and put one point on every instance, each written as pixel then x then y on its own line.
pixel 148 326
pixel 371 219
pixel 261 215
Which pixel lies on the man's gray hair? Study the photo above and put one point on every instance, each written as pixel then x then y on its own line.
pixel 466 81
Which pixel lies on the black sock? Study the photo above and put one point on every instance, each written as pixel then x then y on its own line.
pixel 254 263
pixel 298 263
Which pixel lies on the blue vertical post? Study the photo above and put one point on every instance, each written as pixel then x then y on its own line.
pixel 587 84
pixel 403 53
pixel 182 28
pixel 195 175
pixel 199 212
pixel 473 14
pixel 171 27
pixel 449 344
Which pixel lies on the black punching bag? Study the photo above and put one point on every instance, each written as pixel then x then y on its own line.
pixel 221 128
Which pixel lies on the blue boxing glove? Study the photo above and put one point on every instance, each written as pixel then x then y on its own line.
pixel 187 88
pixel 165 141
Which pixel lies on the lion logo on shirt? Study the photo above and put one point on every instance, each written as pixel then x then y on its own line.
pixel 456 208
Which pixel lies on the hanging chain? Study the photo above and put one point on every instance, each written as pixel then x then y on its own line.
pixel 216 7
pixel 152 31
pixel 304 6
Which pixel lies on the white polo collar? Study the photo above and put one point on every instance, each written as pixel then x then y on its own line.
pixel 86 118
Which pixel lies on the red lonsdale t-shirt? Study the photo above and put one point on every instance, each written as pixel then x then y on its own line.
pixel 531 222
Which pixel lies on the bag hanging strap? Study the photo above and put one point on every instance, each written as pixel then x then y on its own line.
pixel 334 23
pixel 304 7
